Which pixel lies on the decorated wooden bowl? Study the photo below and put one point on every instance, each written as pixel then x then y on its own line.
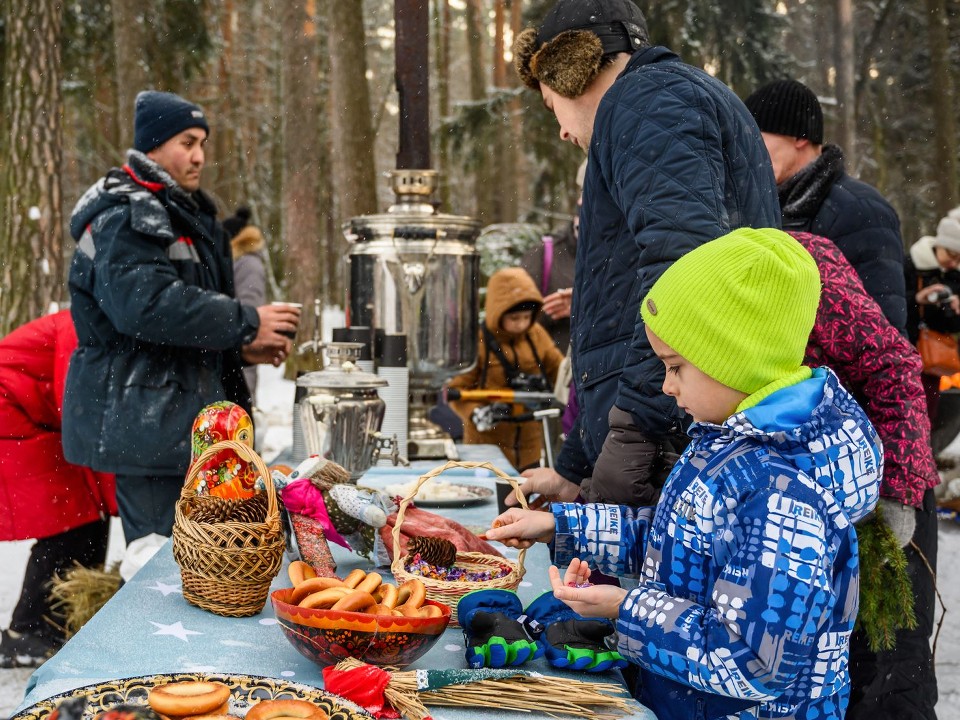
pixel 329 636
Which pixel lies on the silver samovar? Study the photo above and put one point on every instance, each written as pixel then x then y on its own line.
pixel 414 271
pixel 341 411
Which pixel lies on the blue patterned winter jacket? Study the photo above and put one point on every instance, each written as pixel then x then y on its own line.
pixel 748 565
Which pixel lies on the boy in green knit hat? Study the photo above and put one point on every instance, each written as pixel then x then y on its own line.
pixel 747 567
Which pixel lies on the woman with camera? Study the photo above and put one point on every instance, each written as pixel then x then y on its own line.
pixel 932 270
pixel 515 353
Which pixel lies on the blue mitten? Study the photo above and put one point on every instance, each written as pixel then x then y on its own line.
pixel 570 640
pixel 492 635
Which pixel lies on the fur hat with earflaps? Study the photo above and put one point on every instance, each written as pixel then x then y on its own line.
pixel 575 41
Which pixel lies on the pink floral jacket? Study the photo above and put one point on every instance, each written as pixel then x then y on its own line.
pixel 878 366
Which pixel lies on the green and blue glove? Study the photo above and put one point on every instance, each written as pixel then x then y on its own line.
pixel 492 633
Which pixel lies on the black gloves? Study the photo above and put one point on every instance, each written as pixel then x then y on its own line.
pixel 492 634
pixel 572 641
pixel 486 417
pixel 499 633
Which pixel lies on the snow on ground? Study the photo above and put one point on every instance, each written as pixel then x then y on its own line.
pixel 275 398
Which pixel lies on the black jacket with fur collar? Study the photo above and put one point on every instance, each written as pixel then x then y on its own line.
pixel 822 199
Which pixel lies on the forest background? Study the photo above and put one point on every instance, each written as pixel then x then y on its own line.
pixel 303 108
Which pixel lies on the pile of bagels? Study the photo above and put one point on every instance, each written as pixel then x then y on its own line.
pixel 359 591
pixel 207 700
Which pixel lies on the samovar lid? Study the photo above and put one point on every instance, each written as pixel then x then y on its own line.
pixel 342 373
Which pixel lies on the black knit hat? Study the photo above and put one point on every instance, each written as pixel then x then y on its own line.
pixel 237 222
pixel 787 107
pixel 161 115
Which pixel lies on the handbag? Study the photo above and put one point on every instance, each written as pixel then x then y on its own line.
pixel 939 352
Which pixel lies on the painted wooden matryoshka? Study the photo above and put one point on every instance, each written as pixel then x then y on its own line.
pixel 225 475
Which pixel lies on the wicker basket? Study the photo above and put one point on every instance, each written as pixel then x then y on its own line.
pixel 227 567
pixel 449 592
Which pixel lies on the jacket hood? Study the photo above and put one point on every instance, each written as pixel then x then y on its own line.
pixel 506 288
pixel 249 240
pixel 817 426
pixel 145 186
pixel 923 255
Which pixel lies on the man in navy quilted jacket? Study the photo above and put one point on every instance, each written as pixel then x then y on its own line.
pixel 674 160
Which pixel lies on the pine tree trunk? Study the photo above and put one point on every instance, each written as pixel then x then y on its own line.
pixel 478 91
pixel 354 162
pixel 441 33
pixel 844 37
pixel 130 74
pixel 942 101
pixel 301 171
pixel 31 226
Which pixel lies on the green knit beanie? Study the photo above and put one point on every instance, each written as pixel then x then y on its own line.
pixel 740 308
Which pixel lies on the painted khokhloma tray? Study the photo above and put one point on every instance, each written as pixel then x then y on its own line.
pixel 246 690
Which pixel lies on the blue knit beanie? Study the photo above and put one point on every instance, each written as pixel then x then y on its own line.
pixel 161 115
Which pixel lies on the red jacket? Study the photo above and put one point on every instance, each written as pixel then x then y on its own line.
pixel 41 494
pixel 878 366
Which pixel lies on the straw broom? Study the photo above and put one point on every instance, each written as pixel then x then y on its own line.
pixel 79 593
pixel 409 692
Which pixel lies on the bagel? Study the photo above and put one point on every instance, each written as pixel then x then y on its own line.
pixel 286 710
pixel 389 595
pixel 354 578
pixel 222 716
pixel 408 610
pixel 191 697
pixel 430 611
pixel 323 599
pixel 379 610
pixel 412 592
pixel 312 585
pixel 300 571
pixel 357 601
pixel 370 583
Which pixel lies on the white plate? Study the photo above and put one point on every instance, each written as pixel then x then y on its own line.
pixel 451 495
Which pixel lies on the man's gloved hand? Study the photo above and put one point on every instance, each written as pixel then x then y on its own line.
pixel 631 468
pixel 570 640
pixel 486 417
pixel 900 518
pixel 493 636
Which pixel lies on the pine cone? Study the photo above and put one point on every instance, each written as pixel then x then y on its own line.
pixel 251 510
pixel 438 552
pixel 211 509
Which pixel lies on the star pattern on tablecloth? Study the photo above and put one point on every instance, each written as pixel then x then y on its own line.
pixel 176 629
pixel 164 588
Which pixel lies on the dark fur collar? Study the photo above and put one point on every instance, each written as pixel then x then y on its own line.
pixel 802 195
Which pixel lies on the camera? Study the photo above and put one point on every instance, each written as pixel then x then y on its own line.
pixel 528 383
pixel 942 298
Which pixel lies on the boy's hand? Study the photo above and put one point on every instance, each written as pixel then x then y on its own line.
pixel 601 601
pixel 522 528
pixel 546 483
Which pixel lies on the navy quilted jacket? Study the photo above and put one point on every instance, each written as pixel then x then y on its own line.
pixel 675 160
pixel 159 331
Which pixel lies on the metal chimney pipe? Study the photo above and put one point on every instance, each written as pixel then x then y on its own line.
pixel 412 19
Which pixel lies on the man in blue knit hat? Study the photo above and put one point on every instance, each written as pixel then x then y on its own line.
pixel 160 332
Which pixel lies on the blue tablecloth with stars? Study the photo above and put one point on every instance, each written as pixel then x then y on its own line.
pixel 148 628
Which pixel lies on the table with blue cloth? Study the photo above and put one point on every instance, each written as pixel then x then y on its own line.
pixel 148 628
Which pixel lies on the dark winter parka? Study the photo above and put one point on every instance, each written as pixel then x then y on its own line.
pixel 159 331
pixel 823 200
pixel 675 160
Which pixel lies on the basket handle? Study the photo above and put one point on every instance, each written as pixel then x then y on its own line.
pixel 246 453
pixel 468 464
